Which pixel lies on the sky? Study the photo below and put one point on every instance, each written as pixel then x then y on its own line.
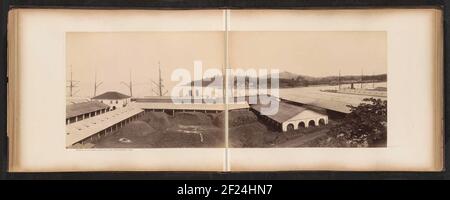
pixel 112 56
pixel 310 53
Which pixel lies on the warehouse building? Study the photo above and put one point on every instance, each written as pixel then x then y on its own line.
pixel 79 111
pixel 95 127
pixel 113 99
pixel 291 117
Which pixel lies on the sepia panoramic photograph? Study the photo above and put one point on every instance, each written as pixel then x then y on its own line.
pixel 172 89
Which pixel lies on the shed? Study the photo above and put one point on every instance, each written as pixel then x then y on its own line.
pixel 113 99
pixel 292 117
pixel 79 111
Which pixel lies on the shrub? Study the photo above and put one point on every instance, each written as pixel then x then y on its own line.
pixel 364 126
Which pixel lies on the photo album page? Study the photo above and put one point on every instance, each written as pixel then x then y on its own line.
pixel 225 90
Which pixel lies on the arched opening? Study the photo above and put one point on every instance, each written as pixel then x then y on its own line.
pixel 311 123
pixel 321 122
pixel 290 127
pixel 114 107
pixel 301 125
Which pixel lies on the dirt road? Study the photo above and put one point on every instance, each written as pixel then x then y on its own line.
pixel 297 142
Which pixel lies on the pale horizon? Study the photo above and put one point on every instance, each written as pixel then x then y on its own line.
pixel 311 53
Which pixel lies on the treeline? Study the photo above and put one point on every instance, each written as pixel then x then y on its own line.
pixel 302 81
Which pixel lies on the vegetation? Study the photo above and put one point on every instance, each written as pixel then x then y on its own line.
pixel 304 81
pixel 364 126
pixel 290 80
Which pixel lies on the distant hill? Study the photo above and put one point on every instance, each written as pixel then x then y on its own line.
pixel 289 80
pixel 287 75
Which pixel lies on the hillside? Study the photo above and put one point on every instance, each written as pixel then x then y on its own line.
pixel 289 80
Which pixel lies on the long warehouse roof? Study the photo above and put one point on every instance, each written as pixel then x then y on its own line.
pixel 285 111
pixel 75 109
pixel 82 129
pixel 328 100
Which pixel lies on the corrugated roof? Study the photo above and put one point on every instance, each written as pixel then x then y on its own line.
pixel 82 129
pixel 111 95
pixel 76 109
pixel 285 111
